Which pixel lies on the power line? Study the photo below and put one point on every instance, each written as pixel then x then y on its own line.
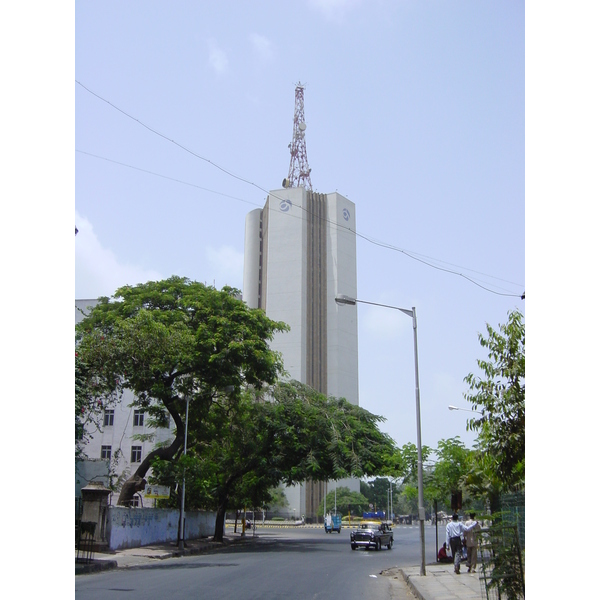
pixel 247 181
pixel 409 254
pixel 169 178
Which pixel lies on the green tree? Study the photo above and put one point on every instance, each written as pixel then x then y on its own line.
pixel 500 394
pixel 83 408
pixel 377 492
pixel 449 470
pixel 404 462
pixel 343 498
pixel 481 478
pixel 403 467
pixel 90 402
pixel 295 433
pixel 277 498
pixel 171 341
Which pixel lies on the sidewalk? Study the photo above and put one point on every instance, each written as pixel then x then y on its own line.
pixel 441 583
pixel 135 557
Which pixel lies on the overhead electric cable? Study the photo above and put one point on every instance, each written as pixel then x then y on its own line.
pixel 409 254
pixel 247 181
pixel 170 178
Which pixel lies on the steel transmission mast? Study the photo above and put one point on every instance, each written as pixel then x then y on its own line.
pixel 299 174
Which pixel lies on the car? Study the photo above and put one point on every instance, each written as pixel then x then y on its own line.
pixel 372 534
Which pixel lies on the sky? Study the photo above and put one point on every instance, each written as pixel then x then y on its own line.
pixel 415 111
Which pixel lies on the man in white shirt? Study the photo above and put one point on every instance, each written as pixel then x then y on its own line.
pixel 454 531
pixel 471 539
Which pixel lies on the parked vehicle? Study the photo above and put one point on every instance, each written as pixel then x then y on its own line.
pixel 333 523
pixel 371 534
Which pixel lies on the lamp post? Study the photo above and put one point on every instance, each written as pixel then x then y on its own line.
pixel 182 509
pixel 342 299
pixel 335 499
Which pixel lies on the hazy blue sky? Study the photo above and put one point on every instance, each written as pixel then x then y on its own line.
pixel 415 111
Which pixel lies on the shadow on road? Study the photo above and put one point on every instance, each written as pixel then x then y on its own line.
pixel 251 545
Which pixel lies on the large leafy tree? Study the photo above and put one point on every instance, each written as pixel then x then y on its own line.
pixel 500 396
pixel 176 341
pixel 251 444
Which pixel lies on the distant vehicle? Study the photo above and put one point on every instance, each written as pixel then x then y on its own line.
pixel 372 534
pixel 379 515
pixel 333 523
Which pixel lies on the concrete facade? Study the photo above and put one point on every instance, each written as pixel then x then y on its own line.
pixel 299 253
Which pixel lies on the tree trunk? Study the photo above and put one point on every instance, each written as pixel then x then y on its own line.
pixel 220 523
pixel 136 483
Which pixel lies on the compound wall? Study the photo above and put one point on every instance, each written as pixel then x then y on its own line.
pixel 135 527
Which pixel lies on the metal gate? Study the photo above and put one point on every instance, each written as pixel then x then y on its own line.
pixel 502 563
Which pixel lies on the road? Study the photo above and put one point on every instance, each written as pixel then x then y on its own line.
pixel 294 564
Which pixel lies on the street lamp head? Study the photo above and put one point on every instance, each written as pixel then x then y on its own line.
pixel 479 412
pixel 343 299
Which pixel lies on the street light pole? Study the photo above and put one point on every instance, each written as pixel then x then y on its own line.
pixel 413 314
pixel 182 509
pixel 342 299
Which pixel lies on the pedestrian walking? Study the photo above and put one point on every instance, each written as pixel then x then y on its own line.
pixel 471 539
pixel 454 532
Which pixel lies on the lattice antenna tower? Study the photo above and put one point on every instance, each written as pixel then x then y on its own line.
pixel 299 173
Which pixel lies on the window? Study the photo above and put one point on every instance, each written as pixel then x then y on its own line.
pixel 138 418
pixel 136 454
pixel 109 417
pixel 106 452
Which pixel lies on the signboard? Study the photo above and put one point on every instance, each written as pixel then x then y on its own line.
pixel 157 491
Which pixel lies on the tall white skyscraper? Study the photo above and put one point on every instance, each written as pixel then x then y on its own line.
pixel 300 252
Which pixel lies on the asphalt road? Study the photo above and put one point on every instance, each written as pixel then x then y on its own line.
pixel 294 564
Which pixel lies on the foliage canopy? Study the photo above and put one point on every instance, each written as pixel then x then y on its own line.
pixel 174 341
pixel 251 444
pixel 500 395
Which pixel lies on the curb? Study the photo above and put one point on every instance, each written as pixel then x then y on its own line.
pixel 411 585
pixel 95 566
pixel 98 565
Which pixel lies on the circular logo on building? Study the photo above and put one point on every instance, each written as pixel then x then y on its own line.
pixel 346 214
pixel 285 205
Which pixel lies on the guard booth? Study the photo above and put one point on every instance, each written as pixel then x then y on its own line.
pixel 92 528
